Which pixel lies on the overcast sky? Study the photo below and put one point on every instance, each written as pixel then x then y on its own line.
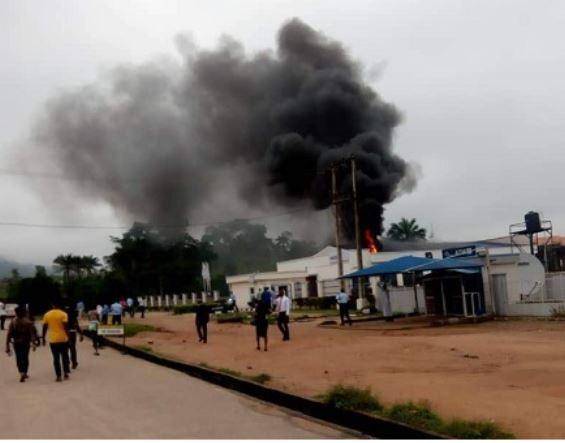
pixel 481 85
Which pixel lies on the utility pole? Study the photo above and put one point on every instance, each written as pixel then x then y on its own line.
pixel 335 201
pixel 357 227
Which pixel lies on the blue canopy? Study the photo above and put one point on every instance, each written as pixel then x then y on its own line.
pixel 394 266
pixel 450 263
pixel 409 263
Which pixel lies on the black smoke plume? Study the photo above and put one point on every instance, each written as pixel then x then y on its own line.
pixel 160 140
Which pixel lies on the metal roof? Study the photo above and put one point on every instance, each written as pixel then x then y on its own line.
pixel 394 266
pixel 449 263
pixel 409 263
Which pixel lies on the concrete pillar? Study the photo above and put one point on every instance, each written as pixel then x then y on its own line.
pixel 167 300
pixel 216 295
pixel 151 301
pixel 184 299
pixel 204 297
pixel 175 299
pixel 159 300
pixel 194 298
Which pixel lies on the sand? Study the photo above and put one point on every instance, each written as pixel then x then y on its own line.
pixel 512 372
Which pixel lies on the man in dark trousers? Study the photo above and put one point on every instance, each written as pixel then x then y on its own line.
pixel 73 329
pixel 343 304
pixel 22 335
pixel 202 319
pixel 56 322
pixel 282 308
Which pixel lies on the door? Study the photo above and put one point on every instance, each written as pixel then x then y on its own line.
pixel 500 294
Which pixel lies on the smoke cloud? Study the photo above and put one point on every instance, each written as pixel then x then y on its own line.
pixel 161 140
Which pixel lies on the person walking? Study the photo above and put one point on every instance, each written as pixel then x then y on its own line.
pixel 343 305
pixel 261 323
pixel 130 307
pixel 73 329
pixel 116 310
pixel 267 297
pixel 202 319
pixel 142 304
pixel 23 335
pixel 56 322
pixel 282 308
pixel 105 314
pixel 3 315
pixel 80 308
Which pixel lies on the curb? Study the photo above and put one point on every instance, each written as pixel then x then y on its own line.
pixel 367 424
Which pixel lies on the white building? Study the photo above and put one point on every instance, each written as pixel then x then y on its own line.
pixel 515 279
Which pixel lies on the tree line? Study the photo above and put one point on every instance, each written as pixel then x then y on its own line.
pixel 148 260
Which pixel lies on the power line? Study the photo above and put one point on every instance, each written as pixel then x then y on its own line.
pixel 190 225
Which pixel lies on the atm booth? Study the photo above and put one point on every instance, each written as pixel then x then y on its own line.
pixel 452 286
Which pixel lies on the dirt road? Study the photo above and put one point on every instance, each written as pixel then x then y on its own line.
pixel 512 372
pixel 116 396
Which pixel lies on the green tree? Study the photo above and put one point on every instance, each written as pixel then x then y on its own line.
pixel 66 264
pixel 406 230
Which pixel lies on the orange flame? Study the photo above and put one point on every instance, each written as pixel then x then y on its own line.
pixel 371 244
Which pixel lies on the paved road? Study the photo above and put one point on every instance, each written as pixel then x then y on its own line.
pixel 116 396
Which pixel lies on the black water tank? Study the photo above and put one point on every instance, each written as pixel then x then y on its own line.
pixel 533 223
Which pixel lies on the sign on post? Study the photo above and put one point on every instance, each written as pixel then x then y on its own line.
pixel 113 331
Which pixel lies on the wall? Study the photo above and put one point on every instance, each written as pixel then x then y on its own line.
pixel 534 309
pixel 402 300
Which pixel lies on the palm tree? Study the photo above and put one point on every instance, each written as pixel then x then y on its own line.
pixel 406 230
pixel 89 263
pixel 65 263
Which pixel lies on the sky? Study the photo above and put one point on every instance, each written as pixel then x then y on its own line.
pixel 479 84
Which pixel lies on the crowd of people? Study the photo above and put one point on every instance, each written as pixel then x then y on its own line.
pixel 62 328
pixel 121 307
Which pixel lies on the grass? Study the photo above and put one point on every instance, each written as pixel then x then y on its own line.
pixel 232 317
pixel 485 430
pixel 349 397
pixel 261 378
pixel 419 415
pixel 231 372
pixel 131 329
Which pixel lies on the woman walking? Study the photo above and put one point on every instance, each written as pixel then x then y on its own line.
pixel 261 322
pixel 22 334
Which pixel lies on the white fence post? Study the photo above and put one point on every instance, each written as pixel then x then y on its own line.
pixel 184 299
pixel 194 298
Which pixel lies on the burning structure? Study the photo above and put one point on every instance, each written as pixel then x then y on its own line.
pixel 163 141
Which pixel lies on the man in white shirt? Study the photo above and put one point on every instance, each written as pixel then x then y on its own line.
pixel 343 303
pixel 3 315
pixel 282 308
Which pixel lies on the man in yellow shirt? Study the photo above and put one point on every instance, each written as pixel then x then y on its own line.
pixel 56 322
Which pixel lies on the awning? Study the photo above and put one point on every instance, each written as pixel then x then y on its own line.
pixel 449 263
pixel 409 263
pixel 394 266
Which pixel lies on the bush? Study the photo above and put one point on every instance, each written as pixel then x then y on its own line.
pixel 229 371
pixel 261 378
pixel 349 397
pixel 316 302
pixel 234 317
pixel 131 329
pixel 418 415
pixel 558 311
pixel 191 308
pixel 486 430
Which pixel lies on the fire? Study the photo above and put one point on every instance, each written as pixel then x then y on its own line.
pixel 371 243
